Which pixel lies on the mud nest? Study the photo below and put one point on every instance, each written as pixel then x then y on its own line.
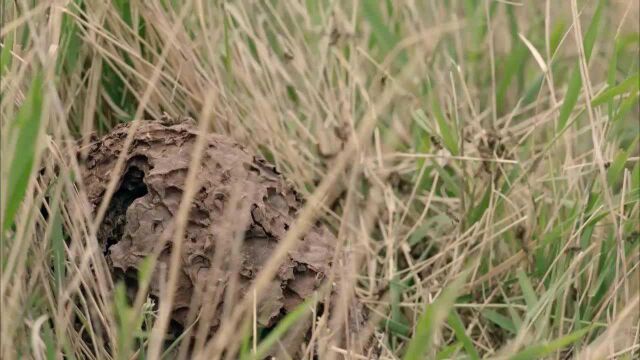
pixel 242 209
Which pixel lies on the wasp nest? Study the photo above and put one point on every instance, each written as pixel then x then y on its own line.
pixel 241 210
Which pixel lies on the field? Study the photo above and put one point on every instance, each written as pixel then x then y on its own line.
pixel 478 162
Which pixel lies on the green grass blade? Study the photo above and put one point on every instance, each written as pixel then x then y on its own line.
pixel 570 99
pixel 227 56
pixel 448 133
pixel 449 180
pixel 575 82
pixel 500 320
pixel 124 9
pixel 383 35
pixel 458 328
pixel 123 315
pixel 616 167
pixel 398 322
pixel 589 38
pixel 70 41
pixel 5 55
pixel 49 341
pixel 629 85
pixel 533 90
pixel 528 292
pixel 478 211
pixel 27 125
pixel 385 39
pixel 57 247
pixel 635 178
pixel 449 351
pixel 626 105
pixel 280 330
pixel 513 65
pixel 432 319
pixel 556 36
pixel 539 351
pixel 314 11
pixel 245 347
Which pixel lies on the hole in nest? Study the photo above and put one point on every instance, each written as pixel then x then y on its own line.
pixel 132 186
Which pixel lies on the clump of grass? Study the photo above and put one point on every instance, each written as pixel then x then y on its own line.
pixel 478 161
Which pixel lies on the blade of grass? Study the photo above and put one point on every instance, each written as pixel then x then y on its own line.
pixel 449 180
pixel 458 328
pixel 314 11
pixel 575 82
pixel 70 41
pixel 124 315
pixel 541 350
pixel 527 289
pixel 618 163
pixel 513 65
pixel 27 125
pixel 245 347
pixel 5 56
pixel 432 319
pixel 280 330
pixel 635 178
pixel 49 342
pixel 478 211
pixel 57 247
pixel 448 351
pixel 384 37
pixel 626 105
pixel 630 85
pixel 398 323
pixel 449 134
pixel 227 56
pixel 124 8
pixel 500 320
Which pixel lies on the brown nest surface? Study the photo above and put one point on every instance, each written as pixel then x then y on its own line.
pixel 242 209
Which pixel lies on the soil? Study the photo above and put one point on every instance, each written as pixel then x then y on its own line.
pixel 242 209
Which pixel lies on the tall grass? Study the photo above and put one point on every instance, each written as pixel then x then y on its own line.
pixel 478 160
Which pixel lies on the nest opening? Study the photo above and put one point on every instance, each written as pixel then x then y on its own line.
pixel 132 187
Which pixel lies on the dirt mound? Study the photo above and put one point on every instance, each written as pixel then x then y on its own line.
pixel 242 209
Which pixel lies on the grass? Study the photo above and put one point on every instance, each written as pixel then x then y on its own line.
pixel 478 159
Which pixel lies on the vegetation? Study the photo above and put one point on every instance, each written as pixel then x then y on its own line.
pixel 478 160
